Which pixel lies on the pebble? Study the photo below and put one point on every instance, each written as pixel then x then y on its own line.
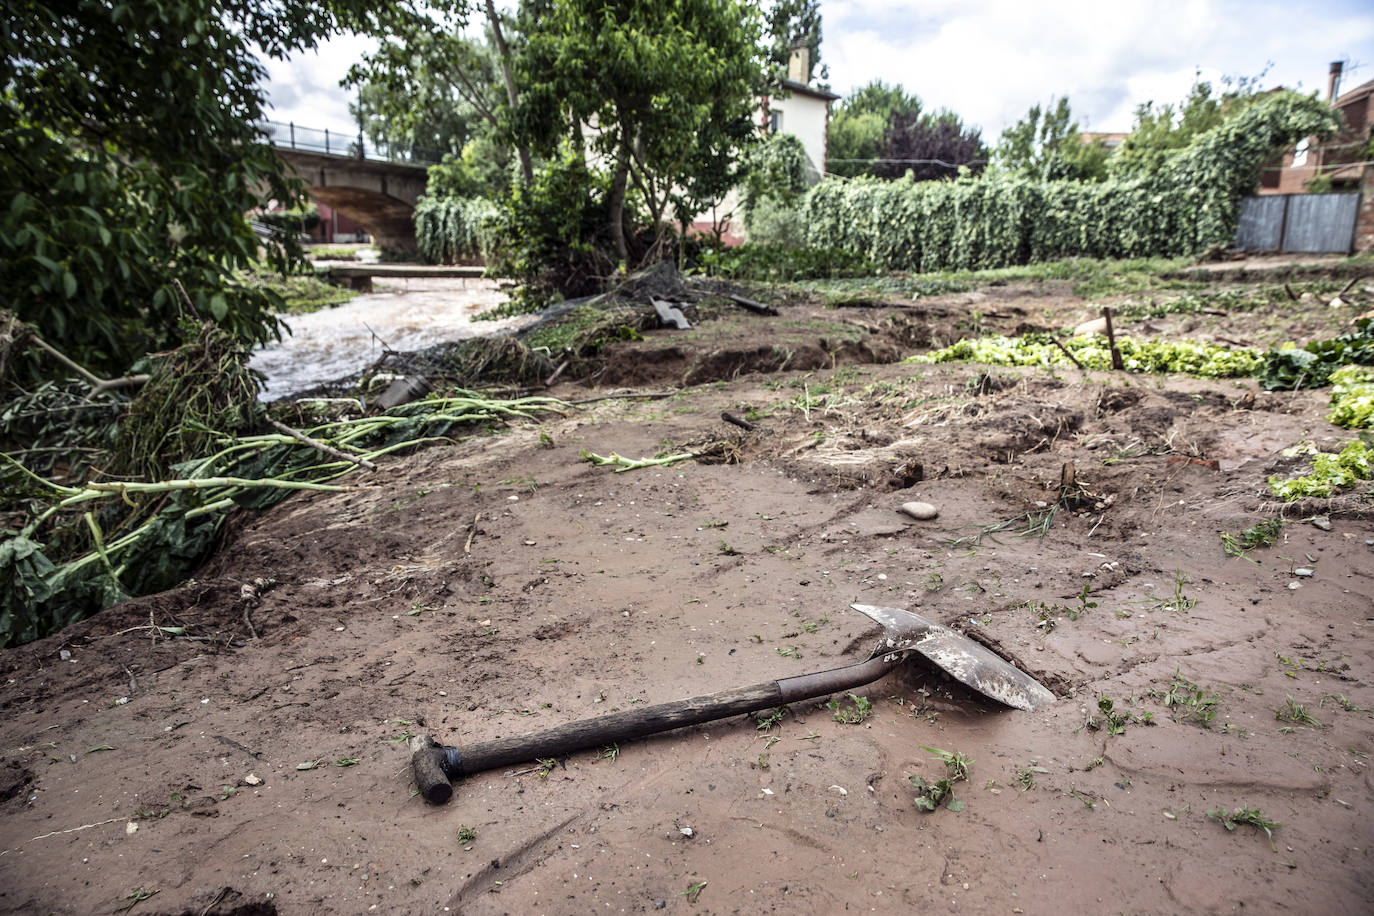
pixel 253 779
pixel 920 511
pixel 685 831
pixel 1322 522
pixel 1303 572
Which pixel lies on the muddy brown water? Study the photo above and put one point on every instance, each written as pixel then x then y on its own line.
pixel 503 584
pixel 404 315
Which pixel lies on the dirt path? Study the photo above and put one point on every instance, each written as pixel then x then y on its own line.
pixel 503 584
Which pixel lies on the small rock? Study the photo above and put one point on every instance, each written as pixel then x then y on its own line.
pixel 1303 572
pixel 685 831
pixel 661 905
pixel 840 789
pixel 253 779
pixel 131 828
pixel 1295 585
pixel 920 511
pixel 1095 326
pixel 64 655
pixel 1337 303
pixel 1322 522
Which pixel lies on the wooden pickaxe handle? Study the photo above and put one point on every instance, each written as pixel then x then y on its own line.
pixel 436 766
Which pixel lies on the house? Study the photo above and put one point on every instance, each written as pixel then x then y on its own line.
pixel 1112 140
pixel 1337 162
pixel 803 111
pixel 799 109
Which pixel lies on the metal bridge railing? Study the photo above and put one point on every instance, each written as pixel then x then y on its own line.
pixel 289 135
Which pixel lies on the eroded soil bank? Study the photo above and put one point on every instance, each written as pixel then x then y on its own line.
pixel 503 584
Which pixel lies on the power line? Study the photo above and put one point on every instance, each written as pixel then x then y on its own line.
pixel 948 165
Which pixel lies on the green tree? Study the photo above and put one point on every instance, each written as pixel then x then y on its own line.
pixel 1045 145
pixel 795 24
pixel 671 89
pixel 426 93
pixel 129 154
pixel 860 124
pixel 1162 129
pixel 442 93
pixel 931 147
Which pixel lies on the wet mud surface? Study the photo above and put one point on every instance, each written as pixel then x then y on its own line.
pixel 503 584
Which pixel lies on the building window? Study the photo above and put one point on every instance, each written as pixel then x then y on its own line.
pixel 774 121
pixel 1300 155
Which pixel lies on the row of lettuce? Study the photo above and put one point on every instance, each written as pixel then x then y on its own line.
pixel 1346 363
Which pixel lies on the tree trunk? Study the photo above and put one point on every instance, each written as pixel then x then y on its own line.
pixel 616 208
pixel 521 147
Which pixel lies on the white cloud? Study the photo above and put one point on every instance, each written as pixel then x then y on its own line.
pixel 305 88
pixel 991 60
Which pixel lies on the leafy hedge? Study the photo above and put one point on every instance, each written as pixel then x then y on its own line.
pixel 452 230
pixel 1000 220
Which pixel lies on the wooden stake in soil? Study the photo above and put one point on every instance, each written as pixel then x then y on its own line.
pixel 1065 350
pixel 1111 340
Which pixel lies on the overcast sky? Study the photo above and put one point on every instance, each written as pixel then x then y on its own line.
pixel 989 60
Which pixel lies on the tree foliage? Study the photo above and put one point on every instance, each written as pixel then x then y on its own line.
pixel 454 230
pixel 671 90
pixel 884 131
pixel 1161 129
pixel 795 24
pixel 1001 219
pixel 441 92
pixel 1045 145
pixel 930 147
pixel 774 181
pixel 859 126
pixel 128 157
pixel 427 91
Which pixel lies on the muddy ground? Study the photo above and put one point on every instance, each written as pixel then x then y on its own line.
pixel 503 584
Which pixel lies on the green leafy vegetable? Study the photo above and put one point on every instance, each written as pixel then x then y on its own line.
pixel 1330 473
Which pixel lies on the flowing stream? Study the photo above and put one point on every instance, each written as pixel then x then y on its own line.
pixel 408 314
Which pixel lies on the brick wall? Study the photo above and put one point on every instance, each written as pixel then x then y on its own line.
pixel 1364 223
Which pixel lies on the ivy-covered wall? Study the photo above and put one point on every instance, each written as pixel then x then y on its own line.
pixel 454 230
pixel 998 221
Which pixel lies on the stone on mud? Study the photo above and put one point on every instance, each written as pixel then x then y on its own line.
pixel 920 511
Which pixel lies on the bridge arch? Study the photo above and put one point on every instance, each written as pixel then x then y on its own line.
pixel 379 196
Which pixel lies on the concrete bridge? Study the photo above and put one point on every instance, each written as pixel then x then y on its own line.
pixel 375 190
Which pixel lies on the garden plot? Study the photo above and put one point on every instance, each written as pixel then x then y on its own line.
pixel 1209 751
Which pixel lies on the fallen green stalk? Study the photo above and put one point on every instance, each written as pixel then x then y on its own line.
pixel 622 464
pixel 142 536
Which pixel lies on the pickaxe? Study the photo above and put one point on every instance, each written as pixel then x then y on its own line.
pixel 436 766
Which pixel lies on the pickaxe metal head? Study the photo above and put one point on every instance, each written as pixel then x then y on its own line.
pixel 968 662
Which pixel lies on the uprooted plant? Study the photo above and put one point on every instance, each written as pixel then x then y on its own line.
pixel 80 546
pixel 930 795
